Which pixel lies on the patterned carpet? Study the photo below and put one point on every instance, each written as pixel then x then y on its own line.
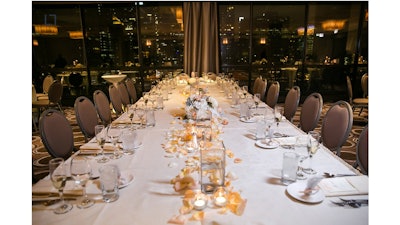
pixel 40 157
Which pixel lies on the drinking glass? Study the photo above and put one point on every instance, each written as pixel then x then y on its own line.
pixel 312 147
pixel 81 172
pixel 58 176
pixel 278 113
pixel 113 132
pixel 301 150
pixel 257 100
pixel 245 91
pixel 131 114
pixel 140 113
pixel 100 133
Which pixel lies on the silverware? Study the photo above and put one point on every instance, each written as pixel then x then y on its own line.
pixel 330 175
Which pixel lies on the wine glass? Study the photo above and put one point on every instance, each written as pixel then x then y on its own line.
pixel 257 100
pixel 300 148
pixel 278 113
pixel 245 90
pixel 131 114
pixel 100 133
pixel 312 147
pixel 81 172
pixel 113 132
pixel 58 176
pixel 140 113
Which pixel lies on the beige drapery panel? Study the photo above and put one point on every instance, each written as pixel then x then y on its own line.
pixel 201 50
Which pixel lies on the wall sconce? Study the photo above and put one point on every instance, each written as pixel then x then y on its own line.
pixel 44 29
pixel 263 41
pixel 225 41
pixel 35 42
pixel 75 34
pixel 148 42
pixel 331 25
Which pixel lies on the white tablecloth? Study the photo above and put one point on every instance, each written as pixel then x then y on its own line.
pixel 151 199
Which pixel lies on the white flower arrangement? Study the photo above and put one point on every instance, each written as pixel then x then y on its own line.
pixel 201 107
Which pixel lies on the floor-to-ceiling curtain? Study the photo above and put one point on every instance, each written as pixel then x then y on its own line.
pixel 201 37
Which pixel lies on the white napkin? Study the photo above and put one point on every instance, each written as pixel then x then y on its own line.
pixel 341 186
pixel 312 184
pixel 93 148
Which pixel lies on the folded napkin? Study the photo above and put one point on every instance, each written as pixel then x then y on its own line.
pixel 45 187
pixel 341 186
pixel 93 148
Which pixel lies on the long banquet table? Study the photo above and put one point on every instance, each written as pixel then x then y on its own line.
pixel 151 198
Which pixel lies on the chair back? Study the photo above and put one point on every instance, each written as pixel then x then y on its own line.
pixel 115 98
pixel 311 112
pixel 75 79
pixel 56 133
pixel 123 92
pixel 86 116
pixel 102 105
pixel 362 151
pixel 130 85
pixel 364 85
pixel 55 92
pixel 291 103
pixel 34 96
pixel 349 89
pixel 47 81
pixel 256 84
pixel 336 126
pixel 272 94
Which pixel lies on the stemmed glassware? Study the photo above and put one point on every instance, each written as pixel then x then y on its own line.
pixel 100 133
pixel 140 113
pixel 113 132
pixel 312 147
pixel 300 148
pixel 58 176
pixel 81 171
pixel 278 113
pixel 257 100
pixel 245 91
pixel 131 114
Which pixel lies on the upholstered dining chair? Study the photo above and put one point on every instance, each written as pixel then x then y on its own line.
pixel 364 85
pixel 75 83
pixel 115 99
pixel 256 84
pixel 102 105
pixel 261 89
pixel 123 92
pixel 291 103
pixel 130 86
pixel 54 98
pixel 311 112
pixel 273 94
pixel 336 126
pixel 362 151
pixel 86 116
pixel 356 102
pixel 47 81
pixel 56 133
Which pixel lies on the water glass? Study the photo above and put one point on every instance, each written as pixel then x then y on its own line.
pixel 150 118
pixel 109 181
pixel 289 168
pixel 260 129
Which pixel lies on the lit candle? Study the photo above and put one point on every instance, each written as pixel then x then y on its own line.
pixel 199 204
pixel 220 201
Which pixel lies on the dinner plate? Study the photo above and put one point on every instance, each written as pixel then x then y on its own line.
pixel 296 191
pixel 251 120
pixel 266 144
pixel 125 179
